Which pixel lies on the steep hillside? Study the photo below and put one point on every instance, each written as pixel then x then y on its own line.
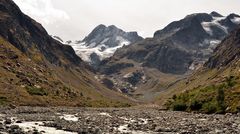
pixel 175 51
pixel 35 69
pixel 102 42
pixel 215 87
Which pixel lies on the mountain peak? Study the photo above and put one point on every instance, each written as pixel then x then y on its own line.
pixel 215 14
pixel 113 27
pixel 233 15
pixel 199 16
pixel 101 26
pixel 103 41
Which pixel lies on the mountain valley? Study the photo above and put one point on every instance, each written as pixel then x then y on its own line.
pixel 38 70
pixel 184 79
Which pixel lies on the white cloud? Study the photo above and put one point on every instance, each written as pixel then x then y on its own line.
pixel 42 10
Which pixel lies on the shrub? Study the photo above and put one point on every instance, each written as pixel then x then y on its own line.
pixel 35 91
pixel 195 105
pixel 209 108
pixel 179 106
pixel 231 81
pixel 220 101
pixel 174 97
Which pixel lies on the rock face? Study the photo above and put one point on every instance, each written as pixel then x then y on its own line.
pixel 103 42
pixel 227 52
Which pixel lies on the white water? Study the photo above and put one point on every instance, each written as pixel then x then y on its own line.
pixel 31 126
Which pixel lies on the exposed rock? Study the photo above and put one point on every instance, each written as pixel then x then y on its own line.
pixel 114 68
pixel 108 83
pixel 227 52
pixel 8 121
pixel 133 78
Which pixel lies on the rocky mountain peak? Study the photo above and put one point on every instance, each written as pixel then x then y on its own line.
pixel 102 42
pixel 215 14
pixel 200 17
pixel 233 15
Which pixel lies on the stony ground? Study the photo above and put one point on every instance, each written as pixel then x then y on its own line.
pixel 132 120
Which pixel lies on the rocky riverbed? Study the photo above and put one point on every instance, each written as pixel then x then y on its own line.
pixel 142 120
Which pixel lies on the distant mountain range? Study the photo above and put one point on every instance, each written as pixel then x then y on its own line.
pixel 181 45
pixel 180 48
pixel 102 43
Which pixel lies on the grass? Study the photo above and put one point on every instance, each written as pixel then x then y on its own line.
pixel 218 98
pixel 36 91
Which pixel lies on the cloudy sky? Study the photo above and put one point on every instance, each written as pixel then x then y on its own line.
pixel 74 19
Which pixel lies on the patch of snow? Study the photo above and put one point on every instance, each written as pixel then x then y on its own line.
pixel 31 126
pixel 84 50
pixel 214 43
pixel 236 20
pixel 122 41
pixel 192 66
pixel 92 45
pixel 207 25
pixel 176 30
pixel 69 117
pixel 105 40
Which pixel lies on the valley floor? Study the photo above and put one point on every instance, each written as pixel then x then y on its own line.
pixel 110 120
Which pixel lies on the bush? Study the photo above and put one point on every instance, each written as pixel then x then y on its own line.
pixel 36 91
pixel 209 107
pixel 220 101
pixel 195 105
pixel 231 81
pixel 179 106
